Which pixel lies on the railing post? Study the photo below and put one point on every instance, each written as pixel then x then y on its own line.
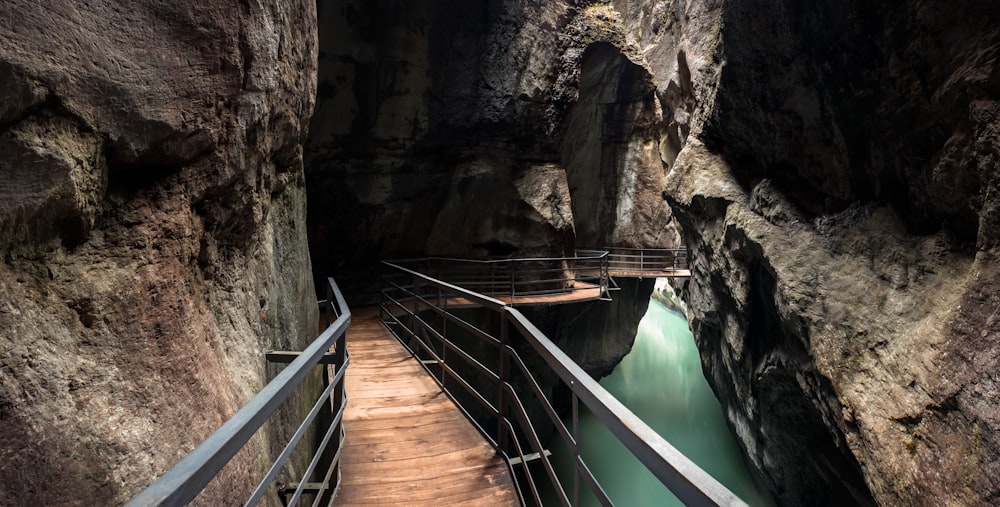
pixel 338 395
pixel 503 437
pixel 513 289
pixel 339 358
pixel 605 273
pixel 576 449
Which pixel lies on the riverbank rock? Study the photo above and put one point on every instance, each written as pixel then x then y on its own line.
pixel 152 224
pixel 838 193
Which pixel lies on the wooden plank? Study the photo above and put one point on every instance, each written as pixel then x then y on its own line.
pixel 371 470
pixel 407 443
pixel 421 442
pixel 400 424
pixel 425 491
pixel 445 428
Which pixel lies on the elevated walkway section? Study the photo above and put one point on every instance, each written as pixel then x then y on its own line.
pixel 407 443
pixel 586 276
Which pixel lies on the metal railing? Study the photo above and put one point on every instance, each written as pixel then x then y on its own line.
pixel 188 478
pixel 485 369
pixel 519 278
pixel 624 261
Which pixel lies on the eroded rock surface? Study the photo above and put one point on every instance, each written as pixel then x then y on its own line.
pixel 430 113
pixel 152 222
pixel 832 167
pixel 837 191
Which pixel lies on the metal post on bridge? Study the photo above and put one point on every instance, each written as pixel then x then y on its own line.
pixel 338 398
pixel 513 289
pixel 503 371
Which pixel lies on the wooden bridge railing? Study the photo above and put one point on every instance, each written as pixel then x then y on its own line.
pixel 182 483
pixel 490 368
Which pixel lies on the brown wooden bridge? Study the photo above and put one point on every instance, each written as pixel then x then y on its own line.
pixel 407 442
pixel 589 275
pixel 413 370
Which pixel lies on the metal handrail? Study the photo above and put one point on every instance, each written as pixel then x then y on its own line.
pixel 625 259
pixel 423 328
pixel 187 478
pixel 519 277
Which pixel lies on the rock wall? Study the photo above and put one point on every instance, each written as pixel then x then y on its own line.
pixel 831 165
pixel 152 224
pixel 430 112
pixel 837 191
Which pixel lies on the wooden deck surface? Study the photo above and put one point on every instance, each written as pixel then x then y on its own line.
pixel 406 441
pixel 650 273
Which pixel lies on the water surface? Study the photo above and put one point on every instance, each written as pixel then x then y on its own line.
pixel 661 381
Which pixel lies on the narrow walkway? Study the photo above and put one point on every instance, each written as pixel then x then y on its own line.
pixel 407 443
pixel 650 273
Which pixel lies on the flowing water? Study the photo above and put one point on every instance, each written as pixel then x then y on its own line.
pixel 661 381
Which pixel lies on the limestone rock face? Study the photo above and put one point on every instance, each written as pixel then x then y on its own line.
pixel 434 116
pixel 837 189
pixel 152 224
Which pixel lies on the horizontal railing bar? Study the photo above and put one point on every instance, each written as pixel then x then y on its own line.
pixel 505 423
pixel 444 365
pixel 433 353
pixel 296 437
pixel 317 456
pixel 486 301
pixel 453 260
pixel 534 442
pixel 330 469
pixel 543 400
pixel 686 480
pixel 454 319
pixel 612 249
pixel 595 487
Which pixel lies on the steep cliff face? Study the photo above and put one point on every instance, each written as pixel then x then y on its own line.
pixel 430 114
pixel 152 222
pixel 832 166
pixel 838 192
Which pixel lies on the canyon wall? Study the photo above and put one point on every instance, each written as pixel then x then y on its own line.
pixel 152 224
pixel 479 129
pixel 837 190
pixel 832 166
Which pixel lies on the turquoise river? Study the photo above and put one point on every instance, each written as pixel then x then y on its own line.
pixel 661 381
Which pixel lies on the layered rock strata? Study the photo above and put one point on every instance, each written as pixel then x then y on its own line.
pixel 152 224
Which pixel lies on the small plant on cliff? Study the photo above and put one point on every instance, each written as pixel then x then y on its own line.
pixel 601 22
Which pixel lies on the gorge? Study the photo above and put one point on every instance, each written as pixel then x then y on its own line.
pixel 178 176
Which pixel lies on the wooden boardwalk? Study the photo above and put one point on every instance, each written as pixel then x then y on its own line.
pixel 406 441
pixel 650 273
